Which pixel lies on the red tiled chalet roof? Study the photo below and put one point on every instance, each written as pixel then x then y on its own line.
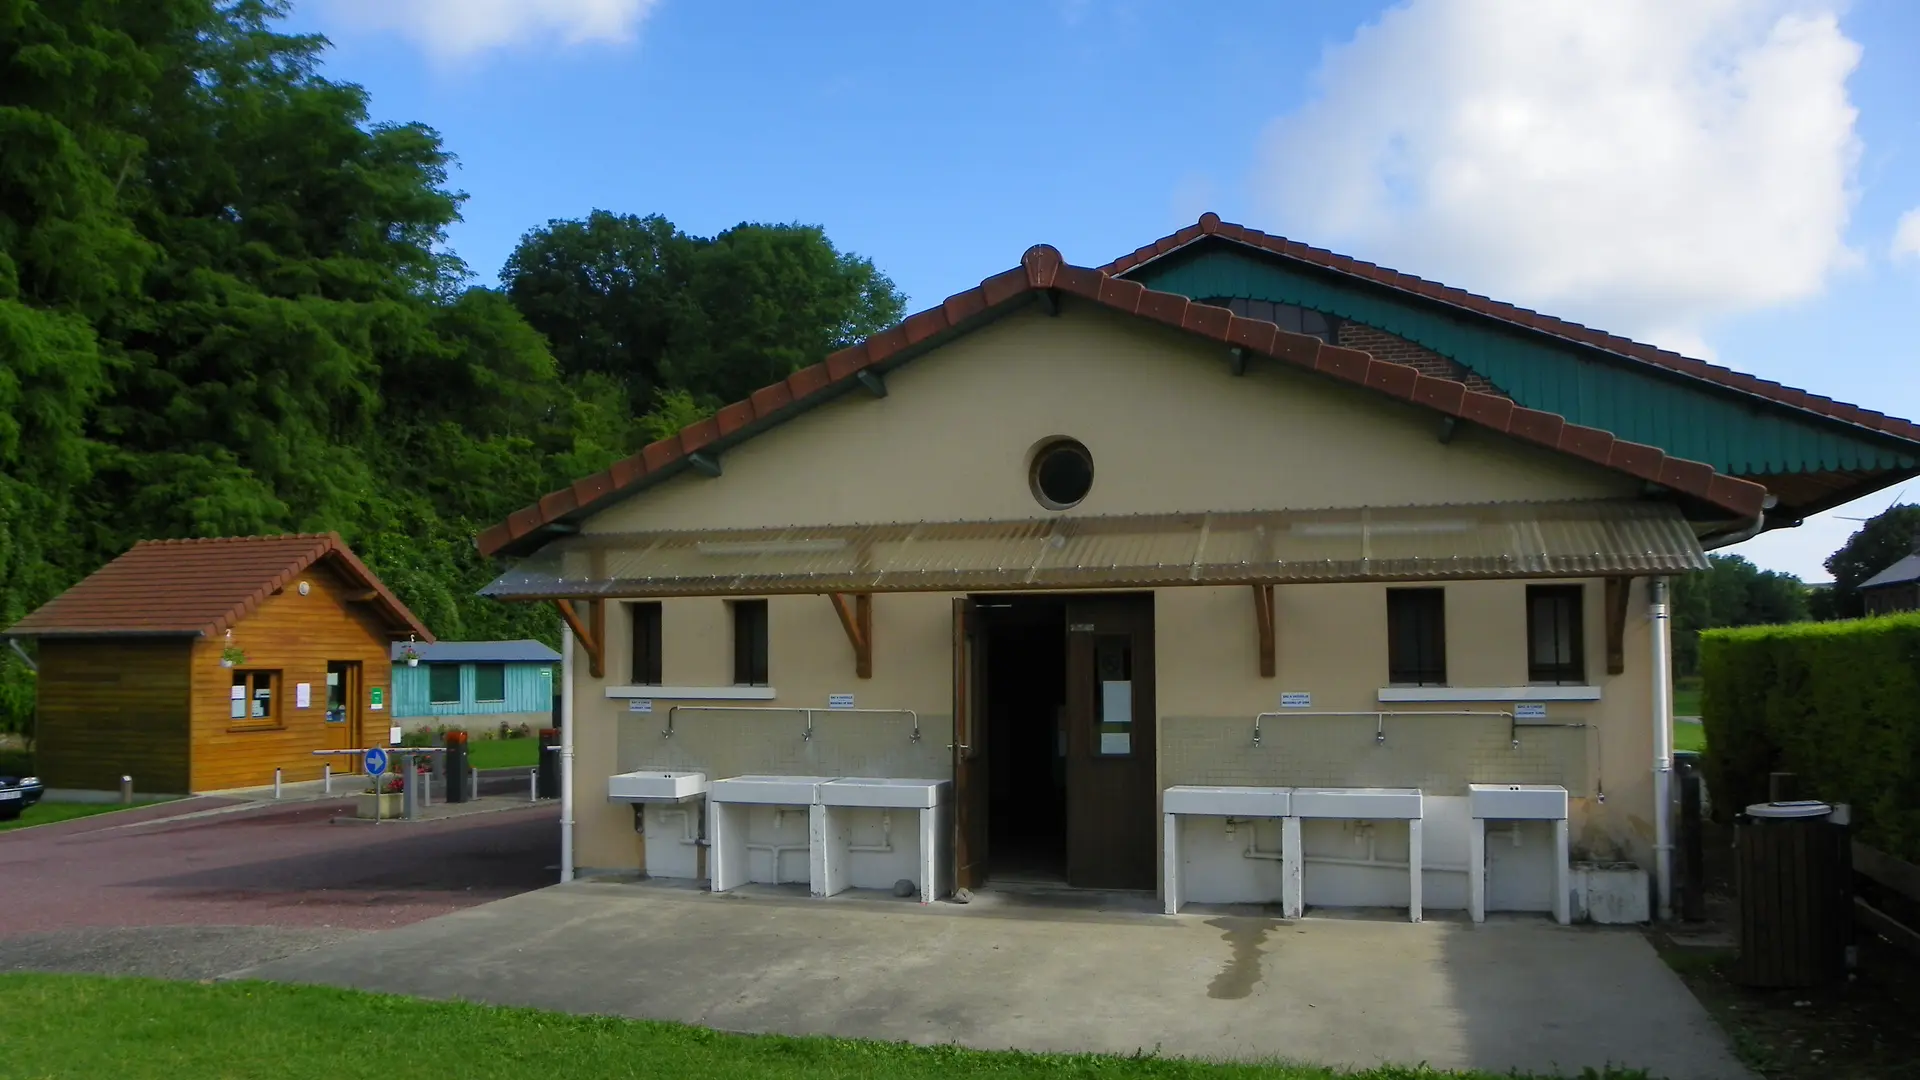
pixel 1042 270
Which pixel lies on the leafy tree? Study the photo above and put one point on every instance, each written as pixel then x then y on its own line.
pixel 1734 592
pixel 1883 540
pixel 226 309
pixel 711 319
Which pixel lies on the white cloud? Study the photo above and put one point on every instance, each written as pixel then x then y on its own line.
pixel 453 29
pixel 1906 235
pixel 1643 165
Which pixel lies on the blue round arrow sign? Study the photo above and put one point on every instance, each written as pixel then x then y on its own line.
pixel 376 761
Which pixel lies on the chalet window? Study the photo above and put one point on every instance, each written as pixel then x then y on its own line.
pixel 254 700
pixel 646 644
pixel 443 684
pixel 1417 637
pixel 489 682
pixel 1554 652
pixel 749 642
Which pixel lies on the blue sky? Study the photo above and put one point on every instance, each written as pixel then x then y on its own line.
pixel 1727 177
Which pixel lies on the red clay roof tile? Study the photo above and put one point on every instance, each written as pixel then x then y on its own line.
pixel 200 587
pixel 1042 268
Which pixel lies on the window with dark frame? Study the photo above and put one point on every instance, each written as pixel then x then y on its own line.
pixel 749 642
pixel 254 697
pixel 443 684
pixel 489 682
pixel 1554 646
pixel 1417 637
pixel 646 644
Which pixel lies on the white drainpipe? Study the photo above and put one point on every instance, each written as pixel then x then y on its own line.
pixel 566 753
pixel 1661 633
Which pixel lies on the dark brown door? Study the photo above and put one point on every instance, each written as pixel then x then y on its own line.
pixel 970 789
pixel 1110 742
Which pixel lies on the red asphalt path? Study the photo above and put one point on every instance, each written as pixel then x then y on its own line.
pixel 273 866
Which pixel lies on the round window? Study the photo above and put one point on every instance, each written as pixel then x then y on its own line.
pixel 1062 474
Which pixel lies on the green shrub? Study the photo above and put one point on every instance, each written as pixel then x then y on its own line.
pixel 1837 704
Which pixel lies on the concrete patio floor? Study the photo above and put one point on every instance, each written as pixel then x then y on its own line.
pixel 1046 973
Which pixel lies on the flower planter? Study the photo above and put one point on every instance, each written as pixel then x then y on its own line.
pixel 383 807
pixel 413 661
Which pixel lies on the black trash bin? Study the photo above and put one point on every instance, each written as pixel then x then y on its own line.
pixel 459 780
pixel 1793 871
pixel 547 783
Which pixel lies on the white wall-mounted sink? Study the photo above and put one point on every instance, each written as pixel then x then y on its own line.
pixel 656 785
pixel 1531 802
pixel 768 790
pixel 1367 804
pixel 1238 802
pixel 881 792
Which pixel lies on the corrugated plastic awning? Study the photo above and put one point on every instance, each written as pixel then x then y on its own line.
pixel 1504 540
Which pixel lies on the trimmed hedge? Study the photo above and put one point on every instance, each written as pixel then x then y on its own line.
pixel 1835 703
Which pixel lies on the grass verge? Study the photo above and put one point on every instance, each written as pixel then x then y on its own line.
pixel 1686 696
pixel 1690 737
pixel 73 1025
pixel 46 813
pixel 503 753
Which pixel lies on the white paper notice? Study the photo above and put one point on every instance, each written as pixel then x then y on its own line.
pixel 1530 710
pixel 393 736
pixel 1116 742
pixel 302 695
pixel 239 693
pixel 1116 702
pixel 640 704
pixel 1296 699
pixel 839 701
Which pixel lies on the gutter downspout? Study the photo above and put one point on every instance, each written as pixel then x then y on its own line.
pixel 566 753
pixel 1661 633
pixel 1741 536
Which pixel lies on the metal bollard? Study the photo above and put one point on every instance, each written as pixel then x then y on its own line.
pixel 533 785
pixel 426 789
pixel 276 783
pixel 326 778
pixel 473 791
pixel 126 791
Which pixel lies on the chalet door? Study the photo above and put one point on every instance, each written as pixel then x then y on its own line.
pixel 343 720
pixel 1110 743
pixel 970 789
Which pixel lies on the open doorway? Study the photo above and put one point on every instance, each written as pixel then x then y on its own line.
pixel 1025 698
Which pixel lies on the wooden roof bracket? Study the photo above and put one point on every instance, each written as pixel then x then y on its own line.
pixel 593 640
pixel 1263 618
pixel 1237 360
pixel 856 618
pixel 1616 613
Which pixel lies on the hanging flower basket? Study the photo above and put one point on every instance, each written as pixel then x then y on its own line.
pixel 231 656
pixel 410 655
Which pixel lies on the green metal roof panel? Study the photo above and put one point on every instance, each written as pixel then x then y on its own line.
pixel 1735 434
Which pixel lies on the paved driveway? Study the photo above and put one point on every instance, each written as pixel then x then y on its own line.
pixel 201 887
pixel 1513 994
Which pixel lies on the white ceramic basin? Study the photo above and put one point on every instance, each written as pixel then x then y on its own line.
pixel 1534 802
pixel 768 790
pixel 656 785
pixel 884 792
pixel 1366 804
pixel 1228 801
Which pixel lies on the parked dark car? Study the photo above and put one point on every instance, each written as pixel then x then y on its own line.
pixel 17 793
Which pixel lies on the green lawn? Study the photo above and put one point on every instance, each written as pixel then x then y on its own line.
pixel 1689 737
pixel 503 753
pixel 45 813
pixel 1686 696
pixel 75 1025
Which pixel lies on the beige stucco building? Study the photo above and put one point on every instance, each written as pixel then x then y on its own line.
pixel 1066 542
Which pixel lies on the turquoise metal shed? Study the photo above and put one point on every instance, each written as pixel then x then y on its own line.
pixel 454 680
